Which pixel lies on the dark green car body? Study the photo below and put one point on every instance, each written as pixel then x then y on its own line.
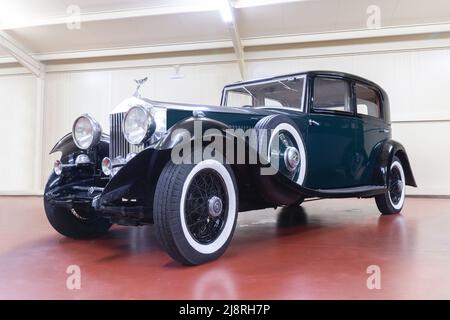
pixel 344 151
pixel 348 152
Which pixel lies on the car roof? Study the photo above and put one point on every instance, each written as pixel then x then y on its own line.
pixel 312 72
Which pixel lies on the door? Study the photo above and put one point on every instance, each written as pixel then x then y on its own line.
pixel 331 135
pixel 371 130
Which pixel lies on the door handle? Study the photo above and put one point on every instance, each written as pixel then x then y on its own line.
pixel 384 130
pixel 313 123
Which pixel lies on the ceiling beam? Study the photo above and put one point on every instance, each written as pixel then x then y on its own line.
pixel 258 3
pixel 403 31
pixel 400 31
pixel 174 8
pixel 236 40
pixel 22 55
pixel 113 15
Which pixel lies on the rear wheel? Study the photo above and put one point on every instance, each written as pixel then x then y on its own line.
pixel 195 210
pixel 392 200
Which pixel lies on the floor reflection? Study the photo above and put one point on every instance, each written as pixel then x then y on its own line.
pixel 214 284
pixel 323 249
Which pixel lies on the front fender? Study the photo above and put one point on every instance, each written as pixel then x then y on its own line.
pixel 196 128
pixel 137 179
pixel 75 181
pixel 67 146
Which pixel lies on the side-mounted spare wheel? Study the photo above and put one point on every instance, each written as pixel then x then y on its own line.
pixel 195 210
pixel 79 222
pixel 392 200
pixel 281 144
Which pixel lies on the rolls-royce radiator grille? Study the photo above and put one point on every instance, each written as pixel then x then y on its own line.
pixel 118 145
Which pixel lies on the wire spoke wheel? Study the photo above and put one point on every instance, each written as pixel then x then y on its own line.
pixel 392 200
pixel 196 207
pixel 206 206
pixel 396 185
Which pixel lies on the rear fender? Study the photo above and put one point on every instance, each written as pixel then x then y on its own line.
pixel 390 149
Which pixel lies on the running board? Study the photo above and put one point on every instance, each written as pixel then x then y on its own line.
pixel 363 191
pixel 353 192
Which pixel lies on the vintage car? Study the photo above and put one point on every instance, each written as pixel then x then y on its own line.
pixel 316 134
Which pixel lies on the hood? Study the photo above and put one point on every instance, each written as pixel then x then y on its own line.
pixel 126 104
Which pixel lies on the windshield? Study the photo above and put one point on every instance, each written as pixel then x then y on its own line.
pixel 286 93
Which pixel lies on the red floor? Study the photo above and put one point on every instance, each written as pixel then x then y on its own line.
pixel 319 252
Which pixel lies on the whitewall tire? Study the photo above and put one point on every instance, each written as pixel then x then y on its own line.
pixel 195 210
pixel 393 199
pixel 280 140
pixel 298 144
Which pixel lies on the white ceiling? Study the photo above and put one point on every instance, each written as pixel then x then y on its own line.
pixel 40 25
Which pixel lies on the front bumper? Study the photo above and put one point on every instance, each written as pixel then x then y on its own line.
pixel 126 198
pixel 86 197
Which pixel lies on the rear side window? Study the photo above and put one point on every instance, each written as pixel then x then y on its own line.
pixel 331 95
pixel 367 101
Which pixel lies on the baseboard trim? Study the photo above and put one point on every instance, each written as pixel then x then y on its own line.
pixel 21 193
pixel 428 196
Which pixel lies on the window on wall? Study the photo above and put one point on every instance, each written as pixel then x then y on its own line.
pixel 367 101
pixel 331 95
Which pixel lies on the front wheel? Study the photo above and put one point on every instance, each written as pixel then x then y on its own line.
pixel 392 200
pixel 78 222
pixel 195 210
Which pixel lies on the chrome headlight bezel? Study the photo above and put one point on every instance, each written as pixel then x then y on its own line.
pixel 147 129
pixel 93 138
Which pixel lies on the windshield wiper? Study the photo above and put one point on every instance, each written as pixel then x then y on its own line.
pixel 246 90
pixel 286 86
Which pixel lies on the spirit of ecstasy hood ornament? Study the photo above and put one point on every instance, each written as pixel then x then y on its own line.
pixel 140 83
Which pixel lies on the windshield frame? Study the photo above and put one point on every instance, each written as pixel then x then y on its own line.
pixel 301 108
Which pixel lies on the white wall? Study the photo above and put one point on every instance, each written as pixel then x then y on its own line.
pixel 17 127
pixel 416 75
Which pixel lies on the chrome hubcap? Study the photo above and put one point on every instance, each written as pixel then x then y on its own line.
pixel 215 206
pixel 291 158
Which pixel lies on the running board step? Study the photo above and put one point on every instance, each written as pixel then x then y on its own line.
pixel 363 191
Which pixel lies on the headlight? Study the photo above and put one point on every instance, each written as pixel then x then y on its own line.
pixel 138 125
pixel 86 132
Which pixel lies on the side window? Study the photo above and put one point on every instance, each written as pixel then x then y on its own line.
pixel 367 101
pixel 331 95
